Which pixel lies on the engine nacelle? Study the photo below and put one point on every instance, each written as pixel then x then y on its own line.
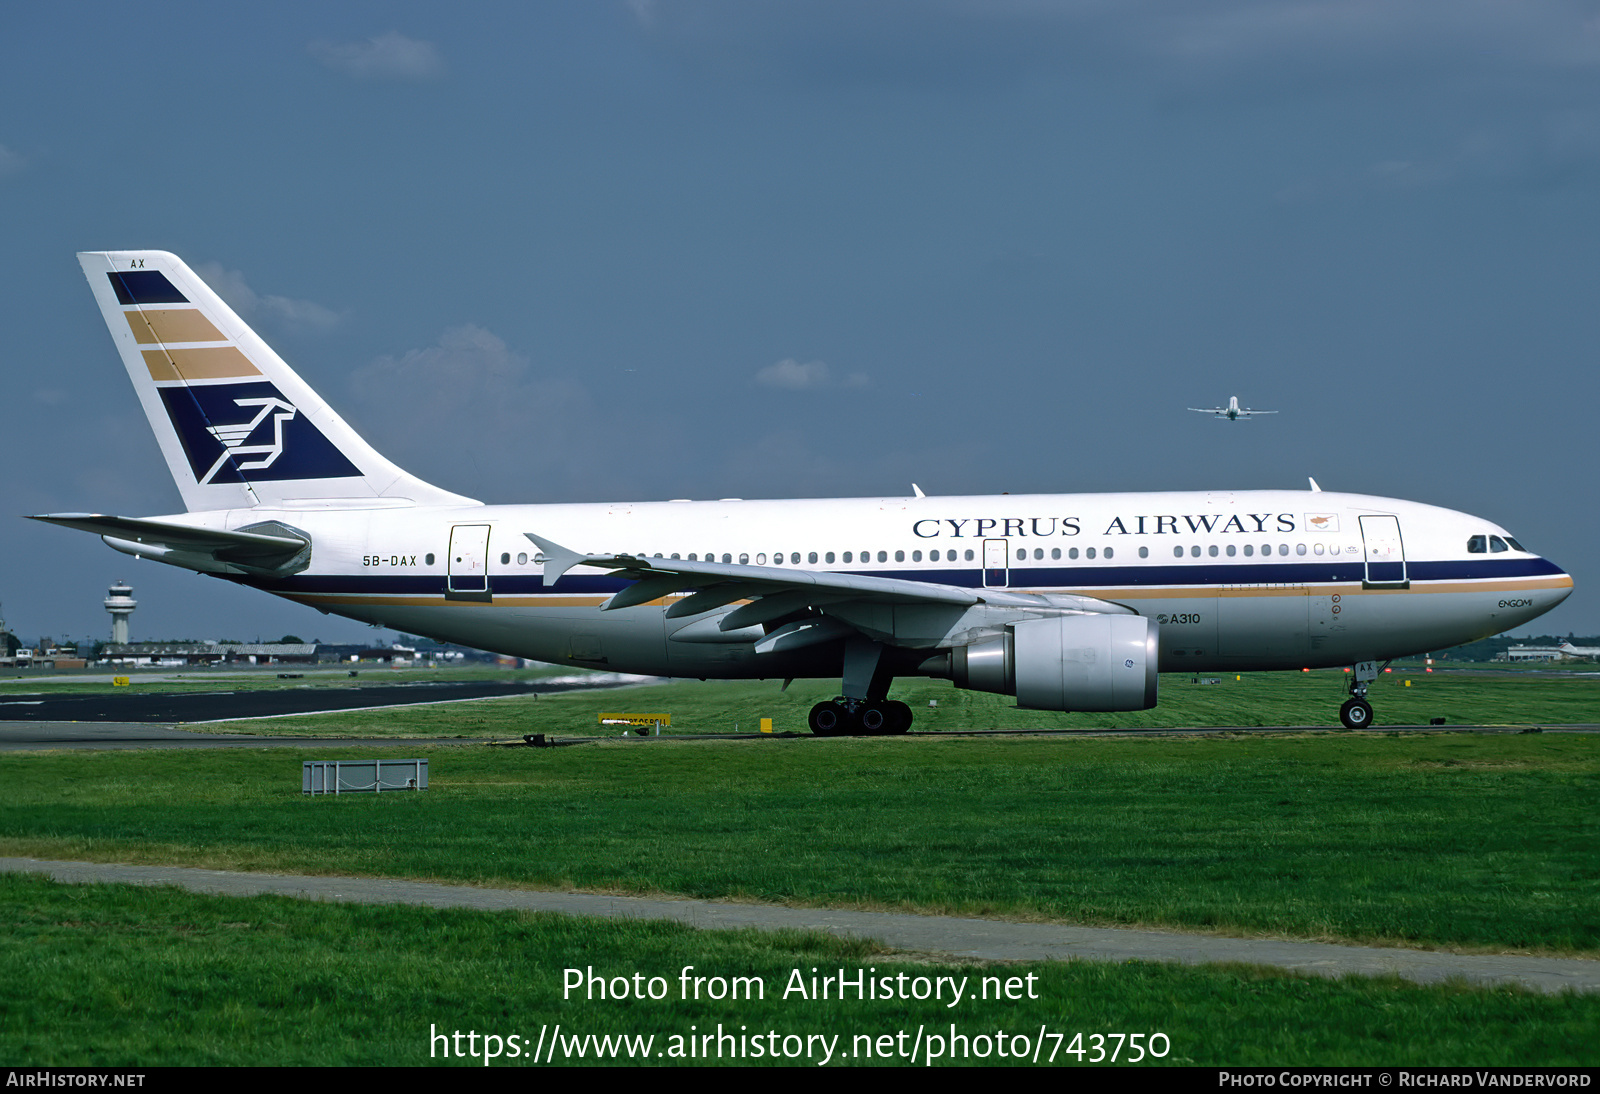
pixel 1067 662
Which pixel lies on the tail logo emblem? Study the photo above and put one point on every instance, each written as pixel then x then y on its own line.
pixel 236 433
pixel 233 437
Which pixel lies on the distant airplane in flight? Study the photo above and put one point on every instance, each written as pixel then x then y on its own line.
pixel 1233 411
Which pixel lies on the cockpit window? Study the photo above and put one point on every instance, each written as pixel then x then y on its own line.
pixel 1477 545
pixel 1496 544
pixel 1515 546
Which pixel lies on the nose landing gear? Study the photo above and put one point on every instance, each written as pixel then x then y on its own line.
pixel 1356 713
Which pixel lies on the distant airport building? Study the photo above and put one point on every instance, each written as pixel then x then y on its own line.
pixel 210 653
pixel 1564 652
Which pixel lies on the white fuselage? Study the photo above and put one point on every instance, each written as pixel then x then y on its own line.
pixel 1235 580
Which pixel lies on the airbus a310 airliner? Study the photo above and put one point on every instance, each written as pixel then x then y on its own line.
pixel 1068 602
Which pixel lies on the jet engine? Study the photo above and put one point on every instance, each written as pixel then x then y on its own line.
pixel 1066 662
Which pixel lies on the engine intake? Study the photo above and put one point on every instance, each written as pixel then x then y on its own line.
pixel 1067 662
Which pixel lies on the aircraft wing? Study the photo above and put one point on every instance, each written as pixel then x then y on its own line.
pixel 269 548
pixel 775 592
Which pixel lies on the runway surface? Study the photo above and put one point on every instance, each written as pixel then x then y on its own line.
pixel 212 706
pixel 974 939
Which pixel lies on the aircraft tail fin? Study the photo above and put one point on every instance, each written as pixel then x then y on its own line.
pixel 238 427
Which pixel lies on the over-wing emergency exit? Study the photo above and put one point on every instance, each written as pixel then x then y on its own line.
pixel 1069 602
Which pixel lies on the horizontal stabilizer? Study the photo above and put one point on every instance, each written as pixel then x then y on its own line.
pixel 269 548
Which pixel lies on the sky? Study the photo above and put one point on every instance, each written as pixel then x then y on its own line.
pixel 648 249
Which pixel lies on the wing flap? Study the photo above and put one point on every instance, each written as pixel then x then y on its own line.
pixel 797 601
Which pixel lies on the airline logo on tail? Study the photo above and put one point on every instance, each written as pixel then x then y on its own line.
pixel 233 437
pixel 249 433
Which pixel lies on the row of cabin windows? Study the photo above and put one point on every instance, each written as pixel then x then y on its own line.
pixel 828 558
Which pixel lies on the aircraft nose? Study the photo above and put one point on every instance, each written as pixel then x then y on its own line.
pixel 1557 586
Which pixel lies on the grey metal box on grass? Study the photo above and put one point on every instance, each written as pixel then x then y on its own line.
pixel 361 776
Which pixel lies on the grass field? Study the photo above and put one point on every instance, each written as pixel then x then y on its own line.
pixel 121 975
pixel 1252 699
pixel 1479 841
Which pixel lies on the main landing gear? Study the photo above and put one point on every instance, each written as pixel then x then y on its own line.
pixel 843 717
pixel 1357 712
pixel 865 709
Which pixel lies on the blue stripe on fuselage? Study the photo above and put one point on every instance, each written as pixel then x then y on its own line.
pixel 1022 577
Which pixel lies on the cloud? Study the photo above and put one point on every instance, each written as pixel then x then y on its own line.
pixel 10 162
pixel 390 56
pixel 1557 148
pixel 469 413
pixel 791 375
pixel 296 315
pixel 1313 43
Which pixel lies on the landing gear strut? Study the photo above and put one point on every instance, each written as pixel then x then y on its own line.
pixel 864 710
pixel 844 717
pixel 1357 712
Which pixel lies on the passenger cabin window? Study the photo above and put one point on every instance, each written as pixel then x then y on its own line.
pixel 1477 545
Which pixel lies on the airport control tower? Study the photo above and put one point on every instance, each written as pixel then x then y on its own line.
pixel 120 605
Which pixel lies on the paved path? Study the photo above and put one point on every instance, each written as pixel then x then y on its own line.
pixel 981 939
